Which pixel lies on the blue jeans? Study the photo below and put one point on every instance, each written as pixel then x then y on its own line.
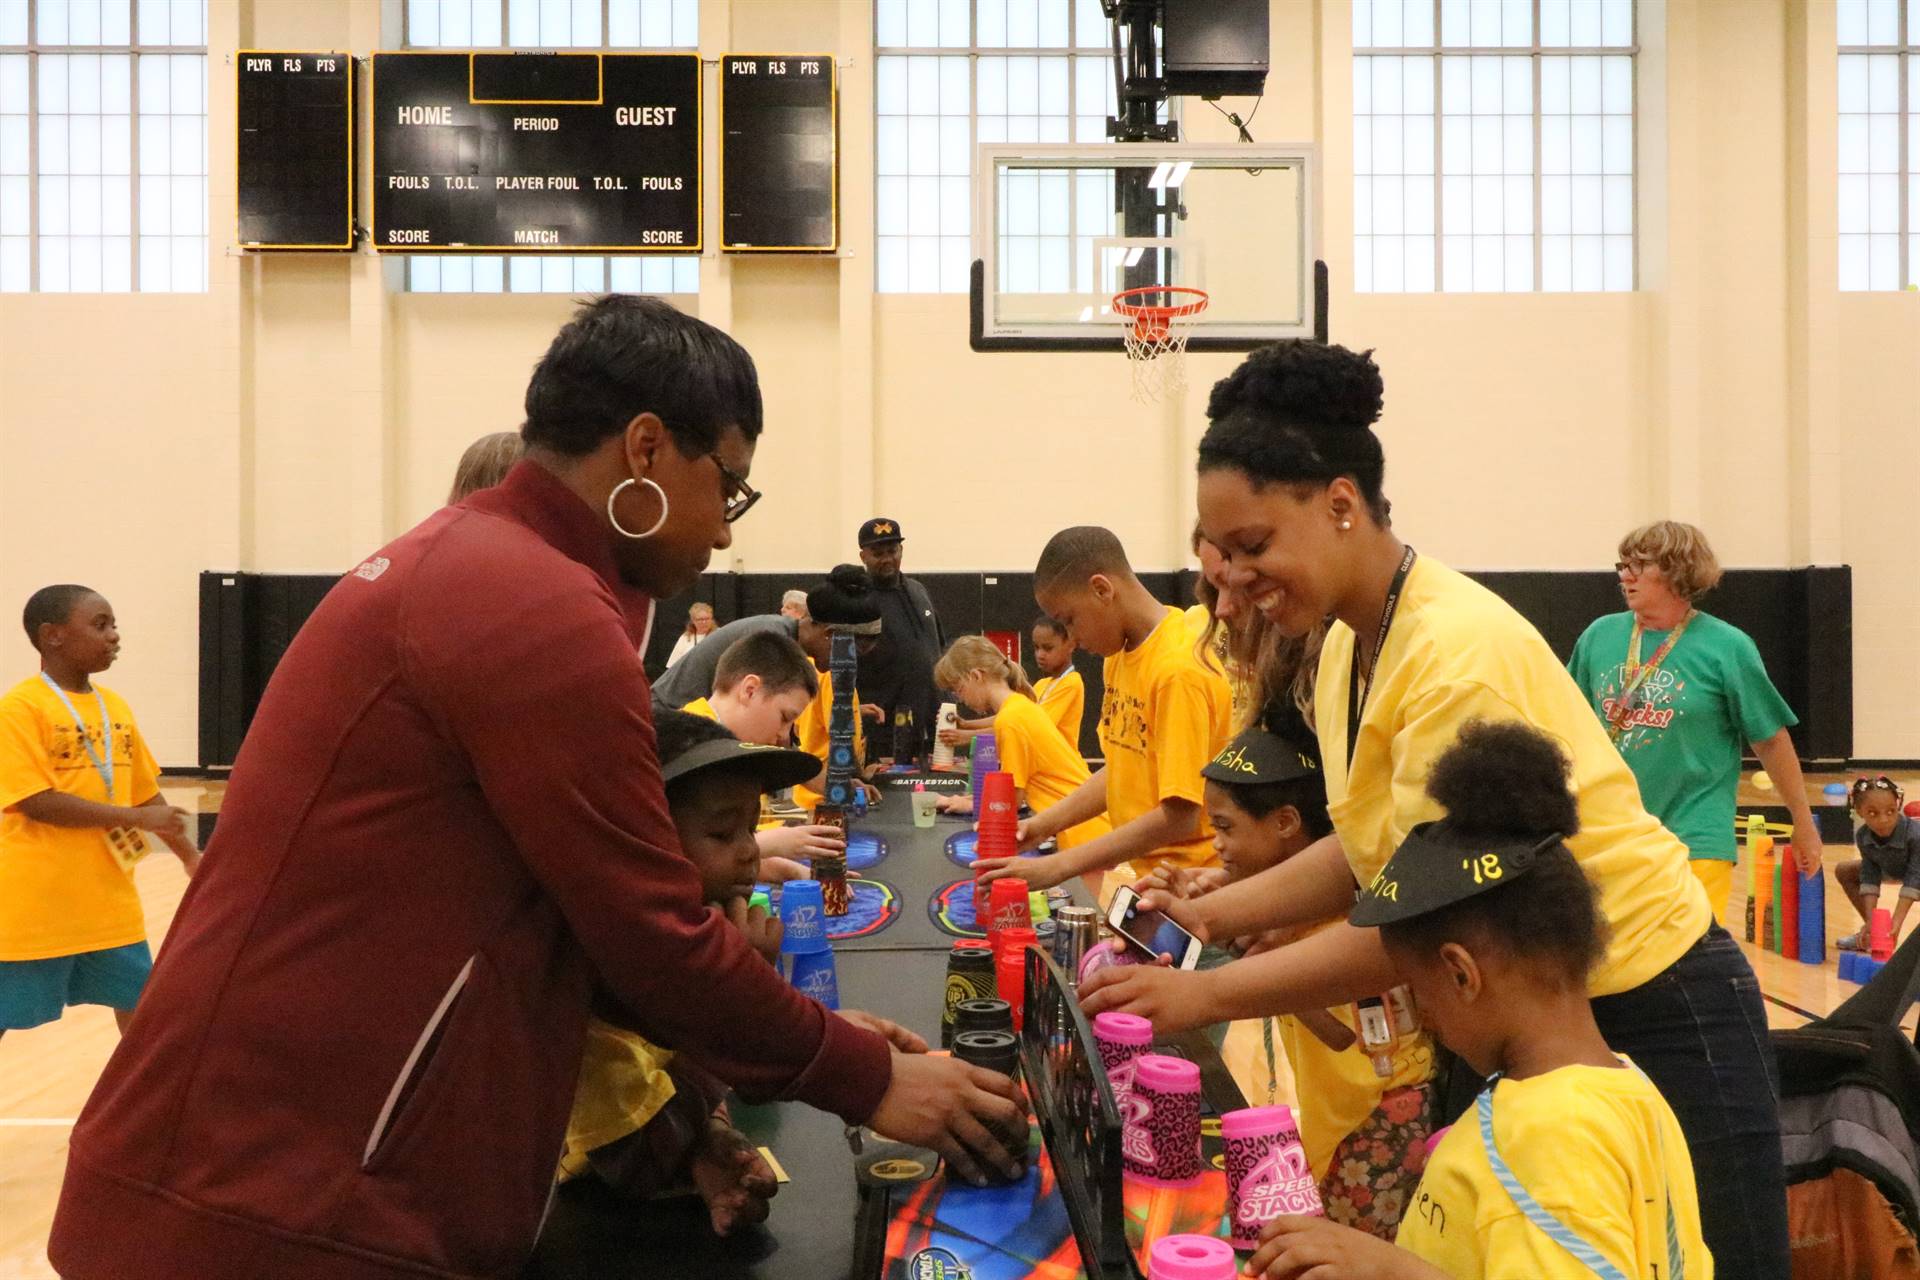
pixel 1699 1031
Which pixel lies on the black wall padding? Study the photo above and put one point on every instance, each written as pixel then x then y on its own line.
pixel 1801 620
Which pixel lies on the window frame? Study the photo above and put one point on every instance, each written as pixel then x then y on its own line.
pixel 973 51
pixel 1905 50
pixel 134 50
pixel 1534 52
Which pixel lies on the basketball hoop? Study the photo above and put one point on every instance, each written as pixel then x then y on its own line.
pixel 1154 323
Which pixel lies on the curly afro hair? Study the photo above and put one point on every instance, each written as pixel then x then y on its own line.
pixel 1505 781
pixel 1300 413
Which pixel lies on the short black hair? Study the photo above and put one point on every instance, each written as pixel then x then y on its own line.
pixel 1079 553
pixel 1300 413
pixel 51 605
pixel 1505 781
pixel 628 354
pixel 677 732
pixel 774 656
pixel 1308 796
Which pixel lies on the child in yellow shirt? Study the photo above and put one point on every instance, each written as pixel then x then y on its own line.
pixel 1365 1135
pixel 642 1121
pixel 1570 1163
pixel 77 787
pixel 843 603
pixel 1164 715
pixel 762 685
pixel 1046 768
pixel 1060 691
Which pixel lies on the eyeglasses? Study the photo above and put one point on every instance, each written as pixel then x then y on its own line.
pixel 740 496
pixel 1634 567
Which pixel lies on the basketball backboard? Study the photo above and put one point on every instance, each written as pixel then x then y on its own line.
pixel 1059 229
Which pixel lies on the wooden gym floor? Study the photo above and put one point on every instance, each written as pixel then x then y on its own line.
pixel 46 1073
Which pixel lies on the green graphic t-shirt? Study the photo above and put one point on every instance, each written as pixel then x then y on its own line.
pixel 1689 722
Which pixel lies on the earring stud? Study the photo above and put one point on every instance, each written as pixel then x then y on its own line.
pixel 1345 525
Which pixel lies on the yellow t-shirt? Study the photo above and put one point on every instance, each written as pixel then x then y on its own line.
pixel 1597 1147
pixel 1043 763
pixel 1457 652
pixel 623 1084
pixel 1064 699
pixel 811 730
pixel 62 891
pixel 1337 1088
pixel 1163 718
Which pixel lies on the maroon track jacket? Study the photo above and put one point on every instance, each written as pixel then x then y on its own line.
pixel 358 1050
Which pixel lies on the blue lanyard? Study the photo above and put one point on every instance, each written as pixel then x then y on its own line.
pixel 103 767
pixel 1557 1231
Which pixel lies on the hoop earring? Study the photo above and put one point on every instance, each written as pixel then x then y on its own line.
pixel 614 520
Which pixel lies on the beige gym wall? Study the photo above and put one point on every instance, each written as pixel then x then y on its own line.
pixel 304 410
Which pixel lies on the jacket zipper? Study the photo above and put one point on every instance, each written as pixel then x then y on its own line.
pixel 381 1124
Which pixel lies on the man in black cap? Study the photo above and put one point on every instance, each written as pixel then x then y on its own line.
pixel 899 675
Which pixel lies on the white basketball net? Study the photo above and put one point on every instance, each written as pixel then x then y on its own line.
pixel 1156 340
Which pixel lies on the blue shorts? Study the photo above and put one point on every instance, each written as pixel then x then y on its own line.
pixel 33 992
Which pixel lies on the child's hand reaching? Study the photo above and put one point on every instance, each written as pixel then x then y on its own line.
pixel 762 931
pixel 1183 882
pixel 1296 1246
pixel 801 842
pixel 953 804
pixel 733 1179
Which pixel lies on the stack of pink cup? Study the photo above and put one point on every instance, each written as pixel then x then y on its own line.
pixel 1160 1143
pixel 1267 1171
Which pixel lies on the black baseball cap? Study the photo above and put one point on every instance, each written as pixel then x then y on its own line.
pixel 880 529
pixel 1437 866
pixel 1259 755
pixel 773 767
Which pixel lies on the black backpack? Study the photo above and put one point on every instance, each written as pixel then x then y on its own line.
pixel 1850 1132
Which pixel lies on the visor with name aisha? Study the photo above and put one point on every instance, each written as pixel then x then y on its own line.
pixel 1258 756
pixel 1436 866
pixel 772 767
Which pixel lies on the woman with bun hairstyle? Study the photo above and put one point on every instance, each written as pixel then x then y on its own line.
pixel 1290 491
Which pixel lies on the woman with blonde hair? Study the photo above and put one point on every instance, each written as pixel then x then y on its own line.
pixel 485 463
pixel 1046 768
pixel 1680 693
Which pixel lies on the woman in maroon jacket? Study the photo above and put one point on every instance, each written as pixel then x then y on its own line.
pixel 356 1054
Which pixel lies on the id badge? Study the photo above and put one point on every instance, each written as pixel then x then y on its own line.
pixel 128 846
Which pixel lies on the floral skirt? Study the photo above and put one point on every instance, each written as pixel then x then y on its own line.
pixel 1376 1167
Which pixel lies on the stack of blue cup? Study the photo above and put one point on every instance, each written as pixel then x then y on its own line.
pixel 986 760
pixel 1858 966
pixel 804 942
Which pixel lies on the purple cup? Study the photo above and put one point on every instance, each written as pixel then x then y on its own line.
pixel 1160 1141
pixel 1191 1258
pixel 1267 1171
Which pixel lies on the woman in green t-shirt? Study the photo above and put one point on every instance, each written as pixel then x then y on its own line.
pixel 1680 692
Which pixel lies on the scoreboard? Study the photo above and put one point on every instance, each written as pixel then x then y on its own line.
pixel 779 153
pixel 295 150
pixel 536 152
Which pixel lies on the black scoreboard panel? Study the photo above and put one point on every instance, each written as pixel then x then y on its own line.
pixel 779 152
pixel 533 152
pixel 295 149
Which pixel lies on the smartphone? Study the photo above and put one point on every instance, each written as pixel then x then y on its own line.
pixel 1151 931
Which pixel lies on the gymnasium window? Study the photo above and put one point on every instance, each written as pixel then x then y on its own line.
pixel 952 73
pixel 553 24
pixel 1879 85
pixel 103 146
pixel 1493 147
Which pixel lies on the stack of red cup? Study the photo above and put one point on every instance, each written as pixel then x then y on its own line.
pixel 1007 908
pixel 998 831
pixel 1010 966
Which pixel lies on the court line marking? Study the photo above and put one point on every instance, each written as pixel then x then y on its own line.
pixel 1808 1014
